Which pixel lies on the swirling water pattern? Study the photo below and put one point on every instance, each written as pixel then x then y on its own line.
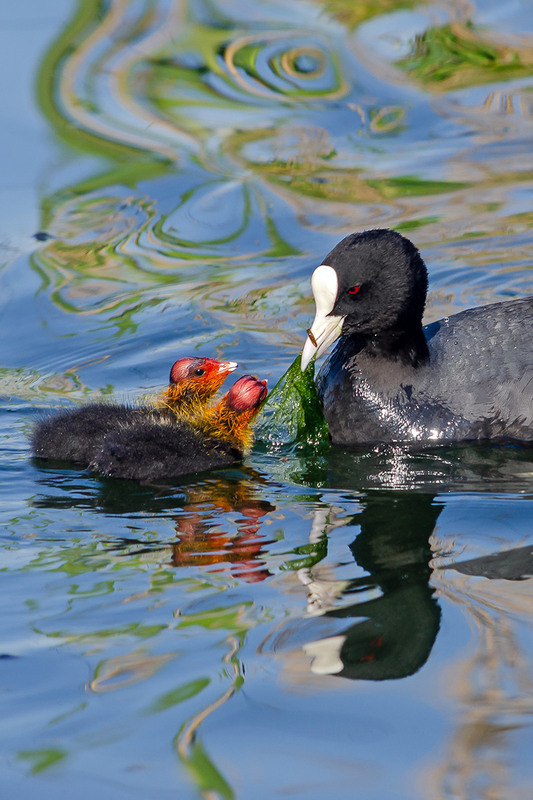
pixel 306 623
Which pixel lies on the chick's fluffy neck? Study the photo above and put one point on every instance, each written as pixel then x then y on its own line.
pixel 186 399
pixel 223 422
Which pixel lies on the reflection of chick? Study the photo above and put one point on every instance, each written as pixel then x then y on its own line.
pixel 219 526
pixel 241 555
pixel 154 447
pixel 77 434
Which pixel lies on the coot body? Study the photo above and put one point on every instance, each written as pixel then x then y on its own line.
pixel 465 377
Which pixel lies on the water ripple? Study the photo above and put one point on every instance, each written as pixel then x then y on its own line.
pixel 284 67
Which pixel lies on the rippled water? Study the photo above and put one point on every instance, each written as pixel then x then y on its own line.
pixel 306 625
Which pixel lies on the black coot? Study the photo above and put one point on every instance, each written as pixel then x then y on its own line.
pixel 465 377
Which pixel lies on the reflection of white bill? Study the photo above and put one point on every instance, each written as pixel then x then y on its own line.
pixel 325 655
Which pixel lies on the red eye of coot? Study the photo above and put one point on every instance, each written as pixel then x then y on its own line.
pixel 354 290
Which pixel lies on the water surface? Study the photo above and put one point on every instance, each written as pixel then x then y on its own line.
pixel 305 624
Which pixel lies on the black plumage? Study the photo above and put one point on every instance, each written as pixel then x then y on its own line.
pixel 146 443
pixel 75 434
pixel 155 449
pixel 466 377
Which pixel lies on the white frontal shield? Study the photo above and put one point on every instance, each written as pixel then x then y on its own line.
pixel 325 329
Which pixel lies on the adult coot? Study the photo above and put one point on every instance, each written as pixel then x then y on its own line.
pixel 76 434
pixel 150 448
pixel 465 377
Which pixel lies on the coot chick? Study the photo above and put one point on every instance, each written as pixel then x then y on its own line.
pixel 192 383
pixel 151 449
pixel 465 377
pixel 76 434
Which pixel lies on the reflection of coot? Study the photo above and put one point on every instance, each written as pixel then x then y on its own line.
pixel 476 467
pixel 510 565
pixel 390 618
pixel 397 630
pixel 200 543
pixel 217 519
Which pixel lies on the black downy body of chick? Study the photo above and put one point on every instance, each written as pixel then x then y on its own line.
pixel 153 449
pixel 77 433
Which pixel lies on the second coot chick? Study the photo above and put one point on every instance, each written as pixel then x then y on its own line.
pixel 77 433
pixel 153 449
pixel 465 377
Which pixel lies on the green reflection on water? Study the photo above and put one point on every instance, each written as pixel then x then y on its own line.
pixel 224 617
pixel 352 14
pixel 459 55
pixel 87 18
pixel 198 67
pixel 136 629
pixel 178 695
pixel 205 774
pixel 42 760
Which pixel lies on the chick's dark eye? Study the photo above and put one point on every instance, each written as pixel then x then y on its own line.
pixel 198 372
pixel 354 290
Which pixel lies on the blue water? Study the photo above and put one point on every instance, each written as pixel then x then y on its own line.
pixel 307 625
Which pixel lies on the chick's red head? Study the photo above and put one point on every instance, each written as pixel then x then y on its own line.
pixel 247 393
pixel 205 375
